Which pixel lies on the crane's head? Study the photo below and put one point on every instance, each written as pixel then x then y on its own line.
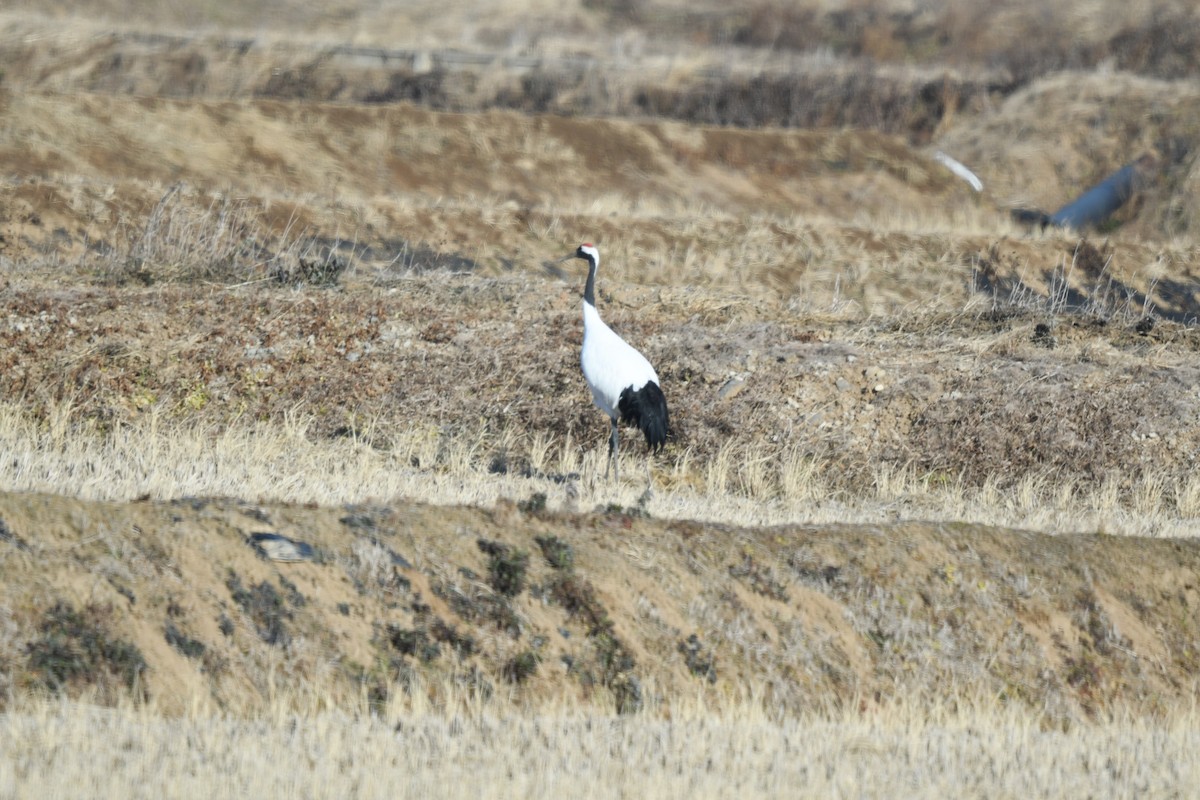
pixel 588 252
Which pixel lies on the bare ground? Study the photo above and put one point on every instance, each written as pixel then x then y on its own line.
pixel 611 607
pixel 219 261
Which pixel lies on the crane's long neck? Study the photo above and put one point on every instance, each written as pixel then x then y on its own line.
pixel 589 290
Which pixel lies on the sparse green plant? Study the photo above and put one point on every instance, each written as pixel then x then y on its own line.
pixel 536 504
pixel 521 667
pixel 464 645
pixel 760 577
pixel 699 663
pixel 613 662
pixel 579 599
pixel 73 649
pixel 265 606
pixel 506 567
pixel 7 536
pixel 316 265
pixel 412 642
pixel 558 554
pixel 480 605
pixel 192 648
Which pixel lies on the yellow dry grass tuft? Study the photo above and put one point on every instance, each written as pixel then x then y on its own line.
pixel 551 752
pixel 743 483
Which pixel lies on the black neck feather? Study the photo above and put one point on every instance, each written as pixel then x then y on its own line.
pixel 589 291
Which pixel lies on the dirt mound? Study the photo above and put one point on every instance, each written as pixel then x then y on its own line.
pixel 688 84
pixel 123 187
pixel 176 248
pixel 607 607
pixel 87 171
pixel 278 149
pixel 1035 144
pixel 1061 135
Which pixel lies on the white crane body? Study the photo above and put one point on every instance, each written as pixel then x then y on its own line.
pixel 610 364
pixel 623 383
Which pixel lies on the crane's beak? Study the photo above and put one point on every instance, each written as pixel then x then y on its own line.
pixel 553 268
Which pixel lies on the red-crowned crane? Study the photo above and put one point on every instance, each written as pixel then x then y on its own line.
pixel 624 385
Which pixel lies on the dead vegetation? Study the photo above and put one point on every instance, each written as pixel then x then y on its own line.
pixel 801 617
pixel 74 650
pixel 701 752
pixel 823 401
pixel 318 280
pixel 872 65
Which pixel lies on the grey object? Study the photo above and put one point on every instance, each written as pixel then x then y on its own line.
pixel 280 548
pixel 1098 203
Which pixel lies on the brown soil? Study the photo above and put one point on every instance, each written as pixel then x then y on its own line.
pixel 814 617
pixel 192 247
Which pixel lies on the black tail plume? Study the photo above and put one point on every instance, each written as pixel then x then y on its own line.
pixel 647 409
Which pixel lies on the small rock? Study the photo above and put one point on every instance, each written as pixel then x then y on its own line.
pixel 731 388
pixel 280 548
pixel 843 385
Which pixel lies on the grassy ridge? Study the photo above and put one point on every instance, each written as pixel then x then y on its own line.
pixel 611 609
pixel 261 288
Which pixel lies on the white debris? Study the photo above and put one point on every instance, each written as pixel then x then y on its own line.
pixel 958 169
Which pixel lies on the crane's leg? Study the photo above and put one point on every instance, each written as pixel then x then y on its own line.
pixel 613 455
pixel 608 461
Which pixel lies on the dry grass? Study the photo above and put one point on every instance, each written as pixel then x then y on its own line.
pixel 744 483
pixel 910 364
pixel 409 604
pixel 824 216
pixel 57 748
pixel 888 353
pixel 869 65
